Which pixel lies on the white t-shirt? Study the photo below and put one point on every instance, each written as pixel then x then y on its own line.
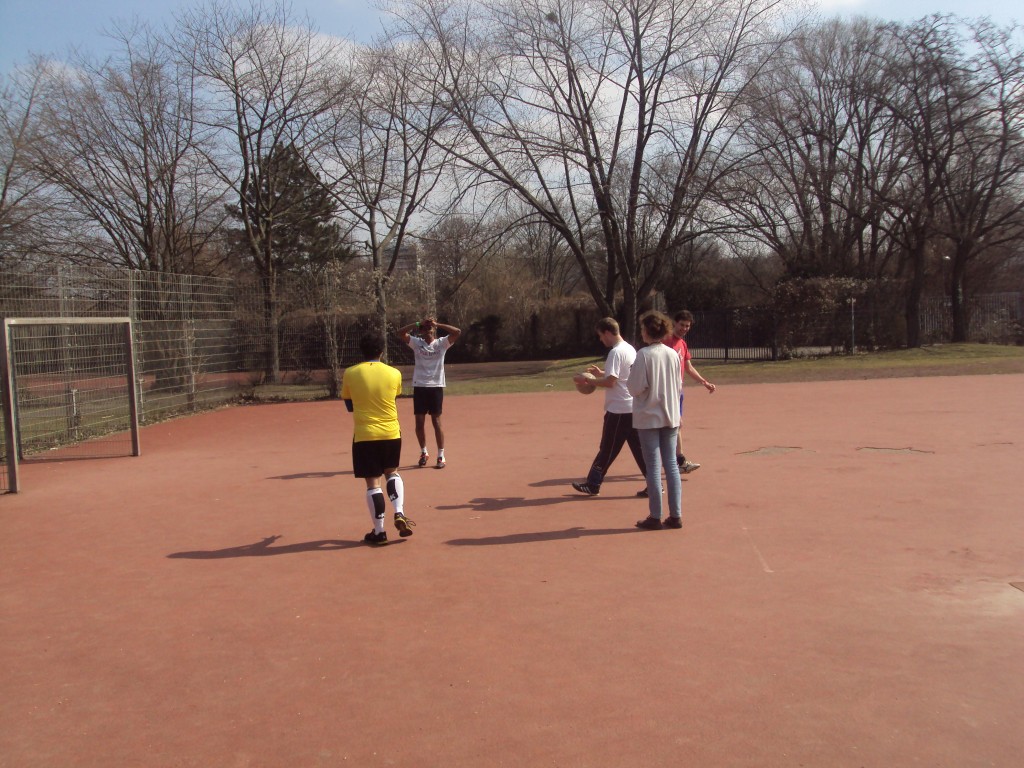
pixel 429 369
pixel 620 360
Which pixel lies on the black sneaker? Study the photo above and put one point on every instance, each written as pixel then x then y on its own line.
pixel 673 522
pixel 586 488
pixel 644 493
pixel 649 524
pixel 404 525
pixel 424 458
pixel 376 539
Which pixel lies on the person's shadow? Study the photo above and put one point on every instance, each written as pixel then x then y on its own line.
pixel 309 475
pixel 264 549
pixel 499 503
pixel 576 532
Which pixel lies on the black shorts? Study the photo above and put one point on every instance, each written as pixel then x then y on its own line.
pixel 371 457
pixel 427 400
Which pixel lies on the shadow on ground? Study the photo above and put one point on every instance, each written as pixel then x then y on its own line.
pixel 264 549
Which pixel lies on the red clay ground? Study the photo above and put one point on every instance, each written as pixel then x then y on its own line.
pixel 840 594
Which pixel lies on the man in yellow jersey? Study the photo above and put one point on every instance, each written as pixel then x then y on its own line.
pixel 369 390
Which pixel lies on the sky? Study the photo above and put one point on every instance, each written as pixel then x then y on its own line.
pixel 52 27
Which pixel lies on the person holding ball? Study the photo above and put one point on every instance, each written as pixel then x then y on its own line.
pixel 428 379
pixel 618 405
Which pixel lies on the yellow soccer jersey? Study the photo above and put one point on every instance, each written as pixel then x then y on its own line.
pixel 372 387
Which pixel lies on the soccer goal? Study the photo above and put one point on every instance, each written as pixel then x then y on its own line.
pixel 68 390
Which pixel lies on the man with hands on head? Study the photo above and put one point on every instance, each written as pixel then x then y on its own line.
pixel 428 378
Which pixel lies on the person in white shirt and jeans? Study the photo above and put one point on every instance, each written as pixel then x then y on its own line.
pixel 428 379
pixel 655 382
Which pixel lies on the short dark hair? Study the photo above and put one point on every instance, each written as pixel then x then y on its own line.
pixel 371 345
pixel 609 324
pixel 683 314
pixel 656 324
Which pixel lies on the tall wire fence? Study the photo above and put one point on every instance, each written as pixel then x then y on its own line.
pixel 199 342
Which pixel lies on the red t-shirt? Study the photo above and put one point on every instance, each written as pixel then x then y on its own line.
pixel 679 345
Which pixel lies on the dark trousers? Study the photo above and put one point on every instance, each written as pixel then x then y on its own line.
pixel 618 431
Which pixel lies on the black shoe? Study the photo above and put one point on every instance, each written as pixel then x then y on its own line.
pixel 674 522
pixel 586 488
pixel 643 494
pixel 649 524
pixel 376 539
pixel 404 525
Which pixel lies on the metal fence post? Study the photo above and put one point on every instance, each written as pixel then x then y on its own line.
pixel 10 437
pixel 853 326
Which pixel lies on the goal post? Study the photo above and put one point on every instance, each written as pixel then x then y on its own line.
pixel 66 381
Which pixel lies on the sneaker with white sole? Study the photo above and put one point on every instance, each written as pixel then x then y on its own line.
pixel 689 466
pixel 587 488
pixel 424 458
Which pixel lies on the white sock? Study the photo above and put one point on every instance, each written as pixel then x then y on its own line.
pixel 375 503
pixel 423 450
pixel 396 492
pixel 440 453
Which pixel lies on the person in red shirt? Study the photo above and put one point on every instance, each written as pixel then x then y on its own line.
pixel 682 321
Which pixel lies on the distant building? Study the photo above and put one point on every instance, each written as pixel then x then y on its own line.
pixel 408 259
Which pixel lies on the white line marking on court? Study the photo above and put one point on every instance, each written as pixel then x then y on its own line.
pixel 764 563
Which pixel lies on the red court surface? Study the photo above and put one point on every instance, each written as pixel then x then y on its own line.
pixel 840 595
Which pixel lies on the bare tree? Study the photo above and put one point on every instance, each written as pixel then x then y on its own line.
pixel 823 154
pixel 983 190
pixel 534 246
pixel 603 117
pixel 932 106
pixel 23 202
pixel 383 158
pixel 125 148
pixel 269 78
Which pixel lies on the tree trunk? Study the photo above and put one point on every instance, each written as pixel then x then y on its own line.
pixel 916 289
pixel 380 295
pixel 270 318
pixel 629 305
pixel 957 302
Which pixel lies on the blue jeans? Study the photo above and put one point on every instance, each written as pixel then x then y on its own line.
pixel 659 447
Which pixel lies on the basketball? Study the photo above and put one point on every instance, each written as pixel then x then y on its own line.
pixel 584 383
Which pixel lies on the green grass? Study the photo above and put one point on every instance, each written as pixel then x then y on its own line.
pixel 938 360
pixel 548 376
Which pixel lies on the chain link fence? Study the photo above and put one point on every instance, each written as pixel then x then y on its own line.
pixel 199 342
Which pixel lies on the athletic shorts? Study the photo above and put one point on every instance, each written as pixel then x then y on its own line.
pixel 371 457
pixel 427 400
